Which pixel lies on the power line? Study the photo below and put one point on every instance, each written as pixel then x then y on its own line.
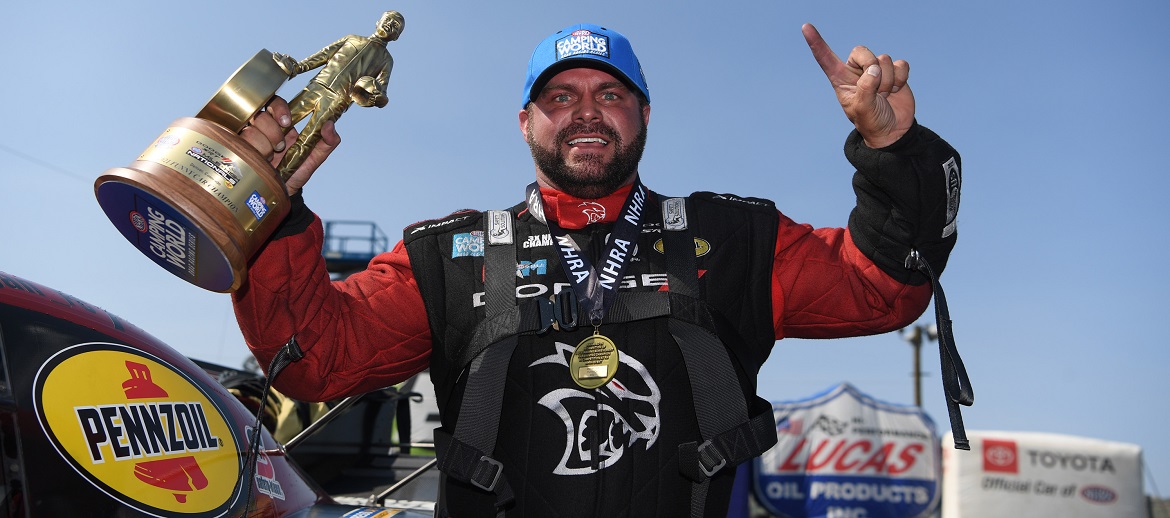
pixel 44 164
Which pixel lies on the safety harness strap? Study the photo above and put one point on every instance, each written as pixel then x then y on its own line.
pixel 729 436
pixel 956 384
pixel 540 315
pixel 466 455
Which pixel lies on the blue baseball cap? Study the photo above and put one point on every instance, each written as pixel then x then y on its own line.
pixel 584 45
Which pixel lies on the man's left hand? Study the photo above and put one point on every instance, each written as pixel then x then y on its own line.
pixel 871 89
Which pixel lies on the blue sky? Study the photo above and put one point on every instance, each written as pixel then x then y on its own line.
pixel 1055 286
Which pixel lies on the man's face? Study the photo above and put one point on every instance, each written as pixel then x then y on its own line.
pixel 586 130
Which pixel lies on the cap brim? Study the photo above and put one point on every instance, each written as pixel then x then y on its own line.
pixel 579 62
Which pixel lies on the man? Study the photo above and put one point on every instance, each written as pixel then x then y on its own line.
pixel 595 348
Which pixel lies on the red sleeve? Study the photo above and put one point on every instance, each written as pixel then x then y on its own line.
pixel 824 287
pixel 367 332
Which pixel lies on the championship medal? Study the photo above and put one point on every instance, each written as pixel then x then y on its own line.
pixel 594 361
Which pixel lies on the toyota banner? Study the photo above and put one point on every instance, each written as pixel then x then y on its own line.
pixel 1042 474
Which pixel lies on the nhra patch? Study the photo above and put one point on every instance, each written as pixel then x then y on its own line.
pixel 582 42
pixel 139 430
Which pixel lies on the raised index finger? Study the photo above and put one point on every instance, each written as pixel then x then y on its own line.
pixel 829 62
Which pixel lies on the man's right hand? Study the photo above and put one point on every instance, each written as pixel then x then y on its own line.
pixel 271 133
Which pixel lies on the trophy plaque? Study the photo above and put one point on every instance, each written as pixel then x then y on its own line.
pixel 200 201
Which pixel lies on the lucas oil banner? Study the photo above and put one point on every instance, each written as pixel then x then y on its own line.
pixel 1042 474
pixel 843 454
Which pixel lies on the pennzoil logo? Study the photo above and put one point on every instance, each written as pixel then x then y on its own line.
pixel 139 430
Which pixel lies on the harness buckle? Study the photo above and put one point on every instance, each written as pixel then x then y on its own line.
pixel 708 457
pixel 547 315
pixel 490 467
pixel 558 312
pixel 565 307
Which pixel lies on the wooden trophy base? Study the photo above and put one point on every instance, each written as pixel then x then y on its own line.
pixel 199 202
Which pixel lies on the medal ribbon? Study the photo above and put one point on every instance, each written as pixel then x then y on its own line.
pixel 595 288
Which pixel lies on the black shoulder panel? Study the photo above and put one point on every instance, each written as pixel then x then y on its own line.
pixel 457 219
pixel 731 200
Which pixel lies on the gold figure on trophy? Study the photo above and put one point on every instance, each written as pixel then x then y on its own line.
pixel 353 69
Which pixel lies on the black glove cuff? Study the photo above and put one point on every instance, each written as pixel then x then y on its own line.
pixel 298 220
pixel 907 199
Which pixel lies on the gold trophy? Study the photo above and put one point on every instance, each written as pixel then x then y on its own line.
pixel 200 201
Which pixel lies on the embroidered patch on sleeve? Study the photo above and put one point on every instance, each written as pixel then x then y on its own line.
pixel 953 184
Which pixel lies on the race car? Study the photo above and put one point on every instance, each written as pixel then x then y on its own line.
pixel 98 418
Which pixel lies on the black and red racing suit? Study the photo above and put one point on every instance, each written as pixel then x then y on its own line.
pixel 371 330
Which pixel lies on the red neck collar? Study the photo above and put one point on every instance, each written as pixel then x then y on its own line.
pixel 571 212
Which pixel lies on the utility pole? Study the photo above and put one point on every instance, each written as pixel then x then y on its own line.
pixel 915 335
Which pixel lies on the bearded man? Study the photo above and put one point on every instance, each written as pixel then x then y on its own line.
pixel 595 347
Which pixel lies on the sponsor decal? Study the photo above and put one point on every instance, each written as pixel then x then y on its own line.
pixel 954 183
pixel 469 244
pixel 635 423
pixel 858 457
pixel 437 224
pixel 1000 456
pixel 538 241
pixel 367 512
pixel 1070 461
pixel 1003 456
pixel 166 141
pixel 137 221
pixel 593 211
pixel 737 199
pixel 527 291
pixel 702 247
pixel 139 430
pixel 222 165
pixel 172 243
pixel 266 482
pixel 582 42
pixel 1099 494
pixel 526 268
pixel 257 205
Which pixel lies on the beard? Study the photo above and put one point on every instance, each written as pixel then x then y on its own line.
pixel 588 176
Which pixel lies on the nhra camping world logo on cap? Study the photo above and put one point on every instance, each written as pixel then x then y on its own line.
pixel 139 430
pixel 582 42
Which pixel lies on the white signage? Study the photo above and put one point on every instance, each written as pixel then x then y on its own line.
pixel 1042 474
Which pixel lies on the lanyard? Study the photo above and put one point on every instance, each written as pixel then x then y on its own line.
pixel 595 287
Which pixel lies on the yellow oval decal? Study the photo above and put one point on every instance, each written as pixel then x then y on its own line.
pixel 701 247
pixel 138 429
